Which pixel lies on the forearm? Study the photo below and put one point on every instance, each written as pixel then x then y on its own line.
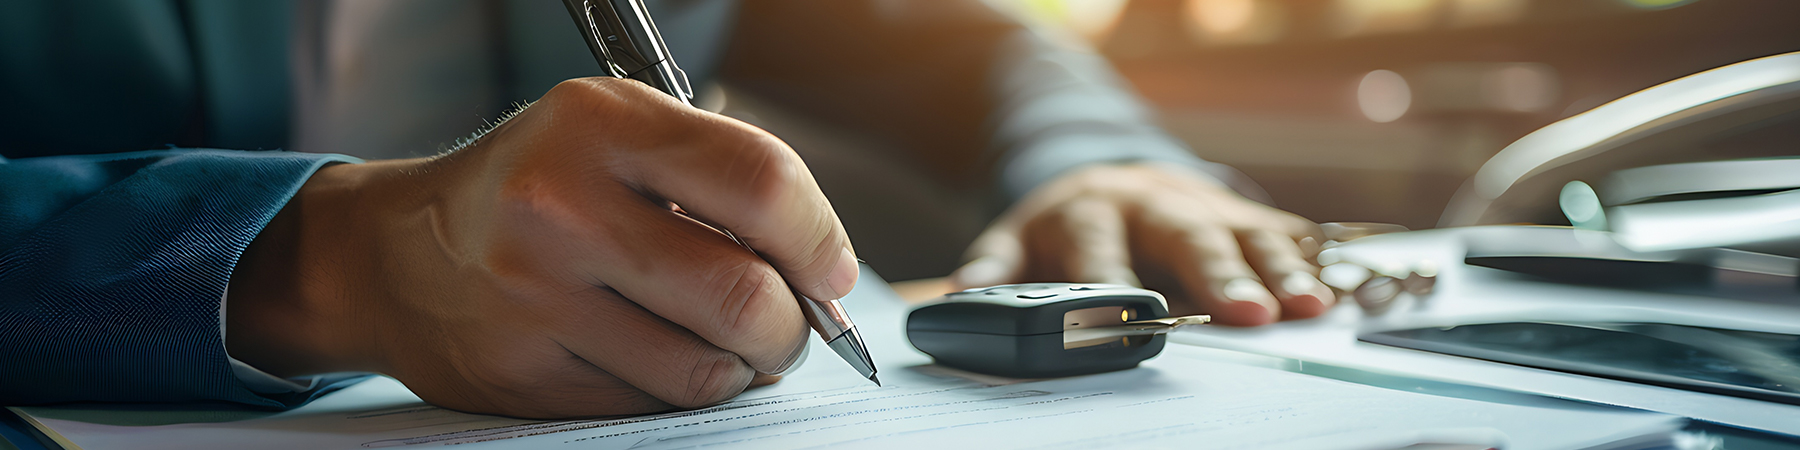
pixel 112 285
pixel 971 95
pixel 1059 107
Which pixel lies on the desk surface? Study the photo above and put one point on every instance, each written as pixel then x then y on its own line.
pixel 1224 386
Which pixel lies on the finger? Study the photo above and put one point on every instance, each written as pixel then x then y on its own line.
pixel 754 185
pixel 574 388
pixel 763 379
pixel 1086 238
pixel 1294 281
pixel 726 173
pixel 995 258
pixel 693 276
pixel 658 356
pixel 1206 260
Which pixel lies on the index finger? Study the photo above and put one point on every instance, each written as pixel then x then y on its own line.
pixel 734 175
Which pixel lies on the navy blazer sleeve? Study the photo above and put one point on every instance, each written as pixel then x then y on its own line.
pixel 113 270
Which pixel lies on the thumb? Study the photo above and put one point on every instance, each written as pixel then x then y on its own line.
pixel 995 258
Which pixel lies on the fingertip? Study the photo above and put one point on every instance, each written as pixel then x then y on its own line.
pixel 1248 303
pixel 763 379
pixel 842 277
pixel 1243 314
pixel 1303 296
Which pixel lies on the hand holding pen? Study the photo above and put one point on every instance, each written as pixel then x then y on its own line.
pixel 626 43
pixel 543 270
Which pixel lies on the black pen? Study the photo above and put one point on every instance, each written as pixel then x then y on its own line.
pixel 626 43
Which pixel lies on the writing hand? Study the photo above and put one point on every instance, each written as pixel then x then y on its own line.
pixel 546 270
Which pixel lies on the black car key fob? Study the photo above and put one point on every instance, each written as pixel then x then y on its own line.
pixel 1043 330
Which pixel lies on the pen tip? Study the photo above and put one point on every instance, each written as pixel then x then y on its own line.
pixel 876 380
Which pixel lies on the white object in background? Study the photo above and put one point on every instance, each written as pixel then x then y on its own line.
pixel 1644 113
pixel 1474 295
pixel 1644 183
pixel 1717 222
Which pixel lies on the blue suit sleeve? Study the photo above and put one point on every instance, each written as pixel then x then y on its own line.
pixel 113 270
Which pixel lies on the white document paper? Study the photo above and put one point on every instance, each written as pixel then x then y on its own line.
pixel 1187 397
pixel 1178 400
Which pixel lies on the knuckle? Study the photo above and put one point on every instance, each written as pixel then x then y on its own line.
pixel 612 100
pixel 714 375
pixel 763 167
pixel 742 292
pixel 1206 244
pixel 590 91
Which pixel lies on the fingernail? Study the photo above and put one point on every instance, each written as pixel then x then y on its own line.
pixel 1344 276
pixel 843 278
pixel 1333 230
pixel 1299 283
pixel 982 272
pixel 1305 296
pixel 1329 256
pixel 1247 290
pixel 1309 247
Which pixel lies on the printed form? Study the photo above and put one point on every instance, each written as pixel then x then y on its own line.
pixel 1187 397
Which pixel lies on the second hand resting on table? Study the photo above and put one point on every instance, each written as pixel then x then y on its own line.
pixel 547 271
pixel 1208 249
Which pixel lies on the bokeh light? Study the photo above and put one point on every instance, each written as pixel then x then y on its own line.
pixel 1360 17
pixel 1657 4
pixel 1092 19
pixel 1215 22
pixel 1383 96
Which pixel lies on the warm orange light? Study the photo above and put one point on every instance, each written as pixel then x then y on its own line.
pixel 1469 13
pixel 1358 17
pixel 1221 17
pixel 1214 22
pixel 1091 19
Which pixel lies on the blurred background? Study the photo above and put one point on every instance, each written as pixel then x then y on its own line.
pixel 1378 110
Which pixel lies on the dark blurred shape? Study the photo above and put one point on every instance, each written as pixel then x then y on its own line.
pixel 1419 285
pixel 1377 294
pixel 1728 362
pixel 61 78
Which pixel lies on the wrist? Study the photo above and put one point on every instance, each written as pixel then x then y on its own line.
pixel 295 294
